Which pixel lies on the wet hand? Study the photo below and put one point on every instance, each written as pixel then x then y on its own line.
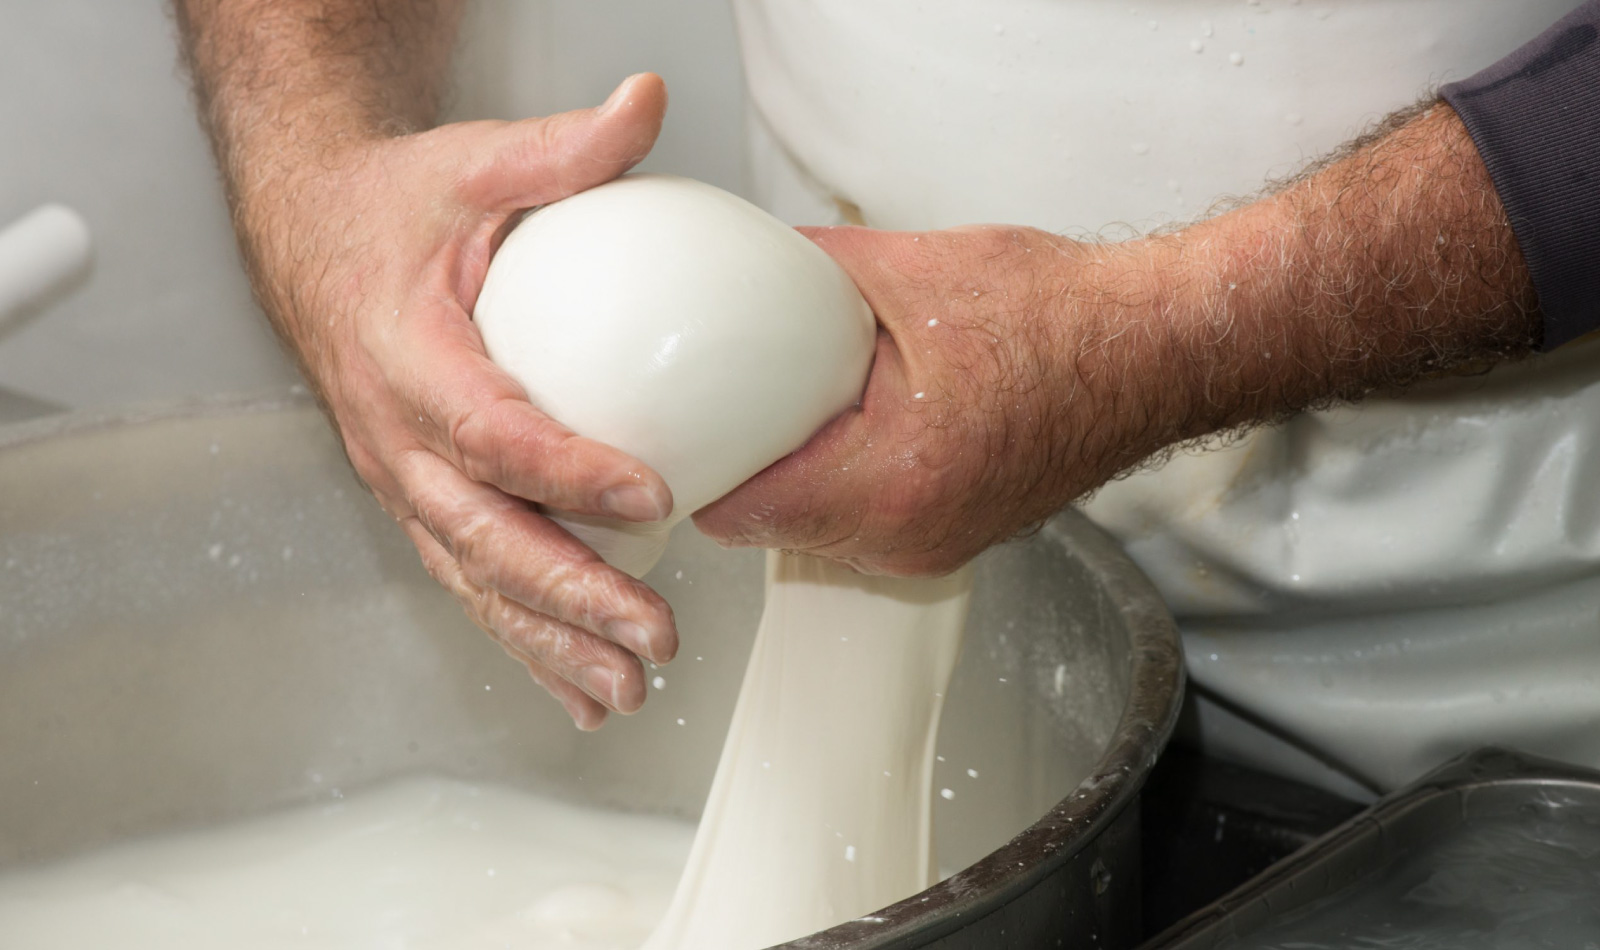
pixel 369 263
pixel 994 400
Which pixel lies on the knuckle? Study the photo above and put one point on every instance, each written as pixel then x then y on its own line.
pixel 990 244
pixel 468 172
pixel 475 601
pixel 537 635
pixel 464 438
pixel 474 544
pixel 369 469
pixel 492 443
pixel 443 572
pixel 563 468
pixel 567 594
pixel 420 508
pixel 587 593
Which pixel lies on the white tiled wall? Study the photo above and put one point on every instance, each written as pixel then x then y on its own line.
pixel 95 113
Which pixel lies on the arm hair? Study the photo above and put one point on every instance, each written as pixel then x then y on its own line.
pixel 1390 262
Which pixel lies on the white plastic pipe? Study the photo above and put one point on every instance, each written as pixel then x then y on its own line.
pixel 40 253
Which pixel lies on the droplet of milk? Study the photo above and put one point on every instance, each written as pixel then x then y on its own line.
pixel 947 794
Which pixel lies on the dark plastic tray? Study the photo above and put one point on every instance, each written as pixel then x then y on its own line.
pixel 1490 785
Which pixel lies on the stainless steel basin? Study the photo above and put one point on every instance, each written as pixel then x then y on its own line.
pixel 202 616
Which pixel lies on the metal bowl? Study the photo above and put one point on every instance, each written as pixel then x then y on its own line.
pixel 203 617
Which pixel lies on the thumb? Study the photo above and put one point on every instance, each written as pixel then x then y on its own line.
pixel 536 161
pixel 893 270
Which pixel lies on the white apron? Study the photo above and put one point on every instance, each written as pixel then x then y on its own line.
pixel 1363 592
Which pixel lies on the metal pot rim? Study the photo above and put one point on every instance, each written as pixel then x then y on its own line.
pixel 74 422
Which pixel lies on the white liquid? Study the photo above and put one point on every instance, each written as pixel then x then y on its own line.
pixel 820 811
pixel 421 863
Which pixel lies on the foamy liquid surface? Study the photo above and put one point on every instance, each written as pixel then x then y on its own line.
pixel 419 863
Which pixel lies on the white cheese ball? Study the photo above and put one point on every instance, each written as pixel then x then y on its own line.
pixel 680 324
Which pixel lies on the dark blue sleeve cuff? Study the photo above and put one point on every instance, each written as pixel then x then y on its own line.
pixel 1535 117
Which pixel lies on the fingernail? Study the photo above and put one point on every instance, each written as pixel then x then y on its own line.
pixel 626 633
pixel 634 503
pixel 601 683
pixel 617 97
pixel 585 718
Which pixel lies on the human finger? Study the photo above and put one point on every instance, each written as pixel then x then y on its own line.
pixel 586 712
pixel 474 414
pixel 578 668
pixel 536 161
pixel 501 545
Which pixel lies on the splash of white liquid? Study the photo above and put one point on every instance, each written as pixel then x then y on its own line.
pixel 820 811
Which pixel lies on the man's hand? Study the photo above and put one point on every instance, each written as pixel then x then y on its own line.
pixel 371 272
pixel 367 244
pixel 964 434
pixel 1017 370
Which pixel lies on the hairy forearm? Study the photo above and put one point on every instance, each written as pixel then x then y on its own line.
pixel 289 92
pixel 1387 264
pixel 280 82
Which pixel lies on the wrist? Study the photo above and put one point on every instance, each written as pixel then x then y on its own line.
pixel 300 220
pixel 1122 344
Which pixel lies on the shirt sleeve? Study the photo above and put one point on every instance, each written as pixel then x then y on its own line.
pixel 1535 117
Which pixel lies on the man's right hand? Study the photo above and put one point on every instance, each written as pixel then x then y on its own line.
pixel 369 262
